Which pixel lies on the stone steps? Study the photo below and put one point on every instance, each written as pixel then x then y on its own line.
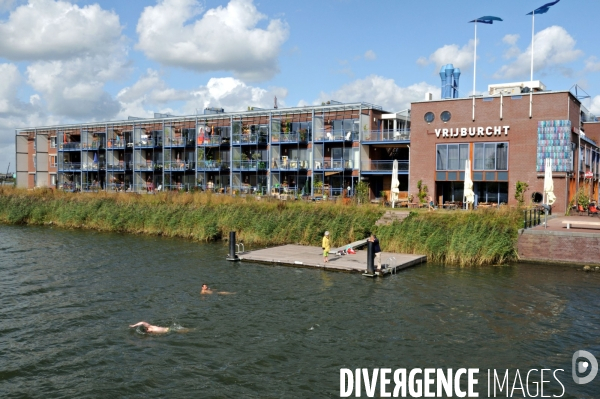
pixel 390 216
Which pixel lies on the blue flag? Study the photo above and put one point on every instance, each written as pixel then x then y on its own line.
pixel 543 9
pixel 486 20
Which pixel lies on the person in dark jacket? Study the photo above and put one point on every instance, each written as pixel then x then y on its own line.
pixel 376 250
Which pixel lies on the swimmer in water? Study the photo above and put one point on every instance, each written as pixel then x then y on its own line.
pixel 149 328
pixel 206 290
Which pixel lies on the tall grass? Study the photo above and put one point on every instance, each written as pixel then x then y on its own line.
pixel 463 238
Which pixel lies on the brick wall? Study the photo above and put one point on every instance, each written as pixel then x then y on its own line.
pixel 522 137
pixel 574 248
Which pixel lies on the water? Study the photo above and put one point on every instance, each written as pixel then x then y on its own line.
pixel 67 298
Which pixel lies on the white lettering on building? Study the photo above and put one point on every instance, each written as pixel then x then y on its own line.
pixel 472 131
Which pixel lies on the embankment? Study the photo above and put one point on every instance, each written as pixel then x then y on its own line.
pixel 464 238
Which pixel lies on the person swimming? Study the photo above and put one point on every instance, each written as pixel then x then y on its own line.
pixel 206 290
pixel 150 329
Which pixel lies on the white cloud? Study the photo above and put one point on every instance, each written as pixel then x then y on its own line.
pixel 460 57
pixel 75 88
pixel 370 55
pixel 54 30
pixel 511 39
pixel 234 95
pixel 592 64
pixel 150 94
pixel 15 114
pixel 553 46
pixel 74 51
pixel 6 5
pixel 223 39
pixel 381 91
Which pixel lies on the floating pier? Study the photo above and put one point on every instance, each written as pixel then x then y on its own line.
pixel 312 257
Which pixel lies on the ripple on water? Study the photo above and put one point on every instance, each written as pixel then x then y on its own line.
pixel 68 297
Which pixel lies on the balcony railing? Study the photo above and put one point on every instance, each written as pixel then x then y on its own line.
pixel 69 146
pixel 335 164
pixel 146 166
pixel 119 166
pixel 336 135
pixel 95 145
pixel 178 165
pixel 383 166
pixel 249 165
pixel 211 165
pixel 288 137
pixel 69 166
pixel 204 140
pixel 287 164
pixel 249 138
pixel 387 135
pixel 93 166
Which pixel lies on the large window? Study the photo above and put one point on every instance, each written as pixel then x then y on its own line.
pixel 452 156
pixel 490 156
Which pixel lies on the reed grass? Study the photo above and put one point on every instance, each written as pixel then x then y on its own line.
pixel 462 238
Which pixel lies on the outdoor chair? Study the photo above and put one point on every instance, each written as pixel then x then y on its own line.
pixel 580 210
pixel 592 210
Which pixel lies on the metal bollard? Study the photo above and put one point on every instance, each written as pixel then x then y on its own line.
pixel 232 256
pixel 370 258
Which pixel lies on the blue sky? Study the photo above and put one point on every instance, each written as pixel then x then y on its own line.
pixel 72 61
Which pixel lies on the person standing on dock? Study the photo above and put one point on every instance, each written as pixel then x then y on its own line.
pixel 326 247
pixel 376 250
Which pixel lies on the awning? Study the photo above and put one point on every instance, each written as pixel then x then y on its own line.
pixel 331 173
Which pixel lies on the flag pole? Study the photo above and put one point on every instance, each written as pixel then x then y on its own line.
pixel 474 69
pixel 531 78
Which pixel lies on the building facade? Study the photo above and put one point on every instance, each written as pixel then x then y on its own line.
pixel 507 141
pixel 313 151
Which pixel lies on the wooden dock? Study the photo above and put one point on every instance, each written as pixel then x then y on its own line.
pixel 312 257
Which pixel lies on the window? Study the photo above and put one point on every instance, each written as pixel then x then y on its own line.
pixel 445 116
pixel 490 156
pixel 429 117
pixel 452 156
pixel 53 142
pixel 53 160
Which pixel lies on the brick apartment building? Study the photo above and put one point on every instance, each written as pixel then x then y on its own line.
pixel 505 145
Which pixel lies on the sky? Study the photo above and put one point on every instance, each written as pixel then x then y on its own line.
pixel 75 61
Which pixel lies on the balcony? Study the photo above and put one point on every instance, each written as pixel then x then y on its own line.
pixel 335 135
pixel 93 166
pixel 69 166
pixel 178 166
pixel 213 140
pixel 383 167
pixel 114 144
pixel 333 164
pixel 69 147
pixel 119 166
pixel 386 135
pixel 249 138
pixel 212 166
pixel 95 145
pixel 147 166
pixel 285 164
pixel 249 165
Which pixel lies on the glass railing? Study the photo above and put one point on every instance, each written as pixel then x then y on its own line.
pixel 213 165
pixel 336 135
pixel 287 137
pixel 93 166
pixel 387 135
pixel 287 164
pixel 146 166
pixel 175 142
pixel 119 166
pixel 69 146
pixel 249 138
pixel 250 165
pixel 95 145
pixel 334 164
pixel 178 165
pixel 69 166
pixel 383 166
pixel 210 140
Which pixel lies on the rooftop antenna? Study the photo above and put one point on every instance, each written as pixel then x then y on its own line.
pixel 275 102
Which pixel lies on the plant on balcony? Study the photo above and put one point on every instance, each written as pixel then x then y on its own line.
pixel 318 186
pixel 303 134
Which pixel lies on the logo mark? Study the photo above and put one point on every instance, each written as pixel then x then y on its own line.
pixel 582 366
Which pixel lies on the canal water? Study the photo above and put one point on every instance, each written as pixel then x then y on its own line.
pixel 67 298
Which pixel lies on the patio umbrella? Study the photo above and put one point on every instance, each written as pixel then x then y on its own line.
pixel 468 192
pixel 548 182
pixel 95 157
pixel 395 183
